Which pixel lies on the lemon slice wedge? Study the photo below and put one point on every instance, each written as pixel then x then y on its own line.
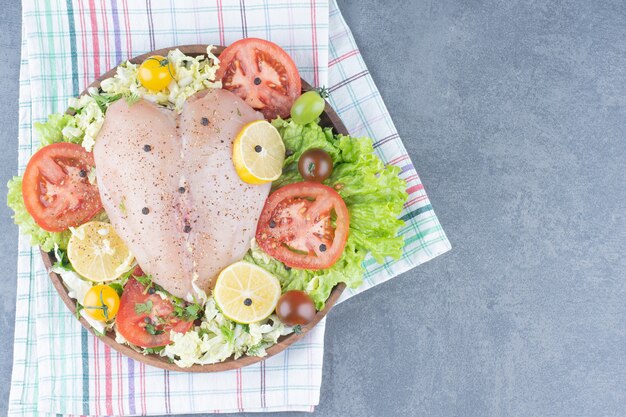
pixel 246 293
pixel 97 252
pixel 258 153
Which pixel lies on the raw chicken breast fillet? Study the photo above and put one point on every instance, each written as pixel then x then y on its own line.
pixel 169 186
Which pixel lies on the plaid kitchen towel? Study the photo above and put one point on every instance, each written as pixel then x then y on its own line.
pixel 58 367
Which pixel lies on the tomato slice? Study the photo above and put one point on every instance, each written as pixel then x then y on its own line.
pixel 261 73
pixel 56 190
pixel 304 225
pixel 137 272
pixel 141 314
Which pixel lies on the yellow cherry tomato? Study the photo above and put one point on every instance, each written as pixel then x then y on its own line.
pixel 155 73
pixel 101 302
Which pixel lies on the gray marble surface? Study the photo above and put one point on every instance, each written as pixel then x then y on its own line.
pixel 515 115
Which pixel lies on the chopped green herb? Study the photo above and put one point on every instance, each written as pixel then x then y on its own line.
pixel 156 350
pixel 104 100
pixel 117 287
pixel 193 310
pixel 123 206
pixel 131 98
pixel 141 308
pixel 186 312
pixel 145 280
pixel 153 330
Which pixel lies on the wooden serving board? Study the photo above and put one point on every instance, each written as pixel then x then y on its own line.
pixel 328 119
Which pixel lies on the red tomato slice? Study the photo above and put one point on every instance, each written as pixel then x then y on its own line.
pixel 133 325
pixel 55 187
pixel 261 73
pixel 137 272
pixel 296 225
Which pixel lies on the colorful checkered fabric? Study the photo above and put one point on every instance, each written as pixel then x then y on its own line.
pixel 59 368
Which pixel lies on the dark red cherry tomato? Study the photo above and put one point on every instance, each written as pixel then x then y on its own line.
pixel 295 308
pixel 315 165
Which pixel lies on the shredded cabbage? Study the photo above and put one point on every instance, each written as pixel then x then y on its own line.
pixel 218 338
pixel 190 76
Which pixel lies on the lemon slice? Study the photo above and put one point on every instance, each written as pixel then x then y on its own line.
pixel 98 253
pixel 246 293
pixel 258 153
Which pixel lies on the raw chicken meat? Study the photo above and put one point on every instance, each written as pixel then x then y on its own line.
pixel 169 186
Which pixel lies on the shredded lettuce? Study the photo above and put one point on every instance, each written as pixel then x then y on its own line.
pixel 373 193
pixel 217 338
pixel 88 117
pixel 38 236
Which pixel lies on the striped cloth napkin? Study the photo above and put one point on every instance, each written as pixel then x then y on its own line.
pixel 59 368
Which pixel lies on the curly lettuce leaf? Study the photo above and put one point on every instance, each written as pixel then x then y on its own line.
pixel 27 224
pixel 60 127
pixel 373 193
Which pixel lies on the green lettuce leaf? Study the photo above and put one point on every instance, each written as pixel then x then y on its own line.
pixel 27 224
pixel 52 130
pixel 373 193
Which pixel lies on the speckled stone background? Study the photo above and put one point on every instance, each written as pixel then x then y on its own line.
pixel 515 115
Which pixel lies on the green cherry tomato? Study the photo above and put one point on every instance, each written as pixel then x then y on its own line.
pixel 307 107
